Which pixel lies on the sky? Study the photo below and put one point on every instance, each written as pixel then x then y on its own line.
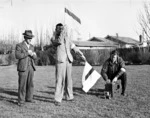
pixel 99 18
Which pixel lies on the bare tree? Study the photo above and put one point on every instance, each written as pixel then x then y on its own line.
pixel 144 21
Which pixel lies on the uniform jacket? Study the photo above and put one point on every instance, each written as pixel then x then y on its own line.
pixel 63 48
pixel 110 70
pixel 23 57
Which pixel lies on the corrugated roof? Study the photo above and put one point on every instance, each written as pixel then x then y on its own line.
pixel 99 39
pixel 126 40
pixel 96 39
pixel 93 44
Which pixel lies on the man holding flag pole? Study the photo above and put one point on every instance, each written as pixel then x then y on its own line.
pixel 90 76
pixel 64 59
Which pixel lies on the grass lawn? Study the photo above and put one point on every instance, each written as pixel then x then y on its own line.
pixel 91 105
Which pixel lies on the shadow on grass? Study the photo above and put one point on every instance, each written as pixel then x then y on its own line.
pixel 9 92
pixel 43 98
pixel 47 92
pixel 10 98
pixel 99 93
pixel 78 92
pixel 14 93
pixel 96 92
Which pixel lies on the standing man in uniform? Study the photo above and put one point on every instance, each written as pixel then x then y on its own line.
pixel 64 59
pixel 25 54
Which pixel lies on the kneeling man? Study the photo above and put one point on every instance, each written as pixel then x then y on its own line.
pixel 114 69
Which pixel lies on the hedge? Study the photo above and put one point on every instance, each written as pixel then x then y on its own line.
pixel 95 57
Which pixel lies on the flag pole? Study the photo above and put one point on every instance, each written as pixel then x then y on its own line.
pixel 64 12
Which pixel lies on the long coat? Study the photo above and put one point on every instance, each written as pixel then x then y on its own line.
pixel 23 56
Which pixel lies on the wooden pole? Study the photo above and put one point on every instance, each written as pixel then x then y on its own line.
pixel 11 3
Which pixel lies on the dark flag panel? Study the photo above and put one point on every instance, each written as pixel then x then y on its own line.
pixel 72 15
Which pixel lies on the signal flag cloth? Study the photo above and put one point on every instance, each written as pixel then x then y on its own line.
pixel 89 77
pixel 72 15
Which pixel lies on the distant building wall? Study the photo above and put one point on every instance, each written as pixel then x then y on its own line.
pixel 96 47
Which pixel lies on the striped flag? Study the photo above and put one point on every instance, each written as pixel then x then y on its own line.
pixel 72 15
pixel 89 77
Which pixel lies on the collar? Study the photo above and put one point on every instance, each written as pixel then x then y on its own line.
pixel 28 45
pixel 110 61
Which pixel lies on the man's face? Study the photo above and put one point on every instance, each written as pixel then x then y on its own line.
pixel 59 29
pixel 28 40
pixel 113 57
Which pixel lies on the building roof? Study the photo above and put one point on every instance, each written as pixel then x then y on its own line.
pixel 93 44
pixel 104 40
pixel 125 40
pixel 96 39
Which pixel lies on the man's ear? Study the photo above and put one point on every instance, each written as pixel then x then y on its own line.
pixel 55 28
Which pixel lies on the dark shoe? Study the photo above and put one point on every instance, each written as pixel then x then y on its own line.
pixel 70 100
pixel 30 101
pixel 123 94
pixel 21 104
pixel 57 103
pixel 108 95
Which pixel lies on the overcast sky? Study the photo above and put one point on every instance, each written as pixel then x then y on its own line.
pixel 98 17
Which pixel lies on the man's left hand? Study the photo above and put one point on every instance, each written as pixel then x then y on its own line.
pixel 115 80
pixel 34 53
pixel 30 52
pixel 83 57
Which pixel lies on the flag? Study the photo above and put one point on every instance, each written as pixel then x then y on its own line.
pixel 72 15
pixel 89 77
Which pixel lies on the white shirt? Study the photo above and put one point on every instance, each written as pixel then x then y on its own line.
pixel 27 44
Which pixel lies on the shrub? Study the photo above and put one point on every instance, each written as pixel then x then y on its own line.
pixel 135 55
pixel 1 62
pixel 11 58
pixel 42 58
pixel 103 55
pixel 144 56
pixel 2 50
pixel 4 59
pixel 6 48
pixel 94 57
pixel 51 52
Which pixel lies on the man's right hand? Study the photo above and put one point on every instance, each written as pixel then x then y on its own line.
pixel 108 81
pixel 30 52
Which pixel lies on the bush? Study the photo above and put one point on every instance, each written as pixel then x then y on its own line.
pixel 1 62
pixel 135 55
pixel 97 57
pixel 11 58
pixel 2 50
pixel 144 56
pixel 6 48
pixel 42 58
pixel 4 59
pixel 51 52
pixel 94 57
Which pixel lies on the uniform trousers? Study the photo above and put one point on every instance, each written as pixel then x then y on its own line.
pixel 123 79
pixel 64 84
pixel 25 87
